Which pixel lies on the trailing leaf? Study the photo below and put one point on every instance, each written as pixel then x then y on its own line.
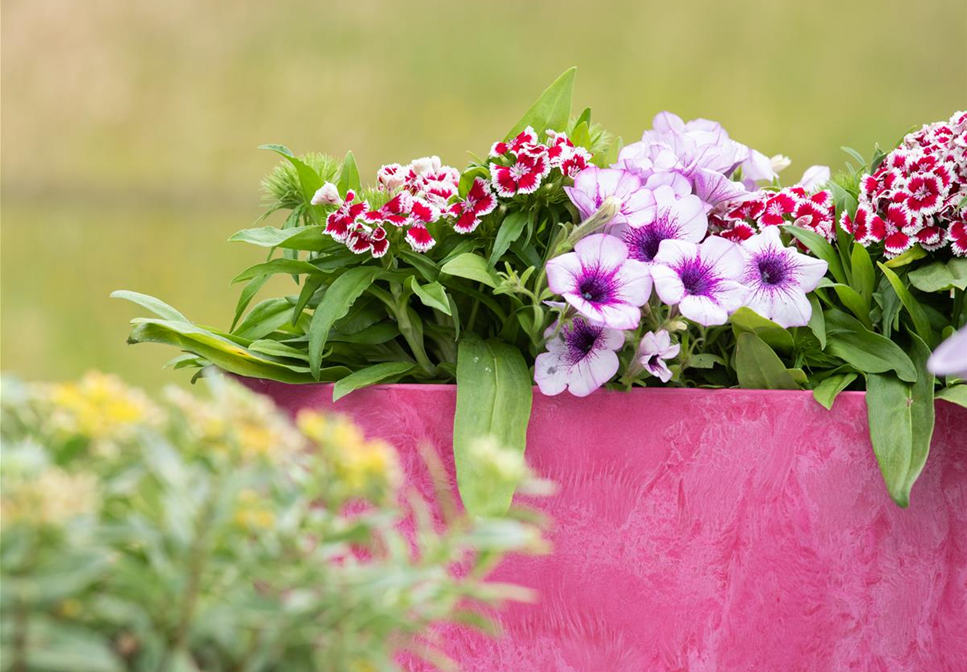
pixel 370 375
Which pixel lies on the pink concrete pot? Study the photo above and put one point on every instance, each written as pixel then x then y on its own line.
pixel 711 531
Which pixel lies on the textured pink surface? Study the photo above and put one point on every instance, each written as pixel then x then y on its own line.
pixel 710 532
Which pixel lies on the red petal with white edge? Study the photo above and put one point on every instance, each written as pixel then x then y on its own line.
pixel 466 223
pixel 498 149
pixel 899 218
pixel 482 199
pixel 379 247
pixel 931 238
pixel 846 223
pixel 823 199
pixel 869 186
pixel 502 180
pixel 897 243
pixel 957 233
pixel 424 212
pixel 359 243
pixel 420 239
pixel 337 226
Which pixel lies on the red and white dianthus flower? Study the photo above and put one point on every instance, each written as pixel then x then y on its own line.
pixel 338 223
pixel 793 205
pixel 480 201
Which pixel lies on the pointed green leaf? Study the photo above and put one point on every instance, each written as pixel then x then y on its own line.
pixel 817 321
pixel 509 231
pixel 820 247
pixel 377 373
pixel 920 321
pixel 348 175
pixel 472 267
pixel 432 295
pixel 293 266
pixel 758 367
pixel 309 179
pixel 866 351
pixel 864 280
pixel 263 319
pixel 156 306
pixel 335 304
pixel 552 110
pixel 827 391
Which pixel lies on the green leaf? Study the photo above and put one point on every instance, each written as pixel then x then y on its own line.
pixel 309 238
pixel 861 162
pixel 472 267
pixel 854 302
pixel 552 110
pixel 581 135
pixel 510 230
pixel 276 349
pixel 248 293
pixel 746 320
pixel 218 350
pixel 432 295
pixel 866 351
pixel 940 276
pixel 758 367
pixel 913 254
pixel 901 420
pixel 864 279
pixel 335 304
pixel 427 267
pixel 370 375
pixel 820 247
pixel 348 175
pixel 263 319
pixel 293 266
pixel 156 306
pixel 817 321
pixel 920 321
pixel 827 391
pixel 955 394
pixel 493 400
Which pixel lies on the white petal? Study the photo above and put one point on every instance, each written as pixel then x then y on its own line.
pixel 791 309
pixel 673 252
pixel 731 295
pixel 809 271
pixel 727 257
pixel 563 273
pixel 659 369
pixel 703 310
pixel 611 339
pixel 583 201
pixel 618 316
pixel 634 282
pixel 601 251
pixel 592 372
pixel 550 374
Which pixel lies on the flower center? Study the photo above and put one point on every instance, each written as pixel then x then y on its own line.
pixel 643 242
pixel 697 278
pixel 595 288
pixel 773 269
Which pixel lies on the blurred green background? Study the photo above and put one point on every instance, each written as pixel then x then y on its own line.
pixel 129 127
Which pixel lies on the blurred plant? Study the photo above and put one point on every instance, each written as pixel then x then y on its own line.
pixel 214 535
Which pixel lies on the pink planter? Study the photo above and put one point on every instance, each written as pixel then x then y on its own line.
pixel 711 531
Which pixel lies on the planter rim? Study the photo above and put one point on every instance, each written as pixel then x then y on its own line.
pixel 637 391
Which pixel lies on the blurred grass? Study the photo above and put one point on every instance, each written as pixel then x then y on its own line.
pixel 129 127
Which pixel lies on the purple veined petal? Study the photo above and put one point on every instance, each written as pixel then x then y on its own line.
pixel 785 308
pixel 581 199
pixel 601 251
pixel 672 179
pixel 814 177
pixel 715 188
pixel 620 316
pixel 727 257
pixel 657 367
pixel 593 371
pixel 703 309
pixel 668 284
pixel 638 208
pixel 667 122
pixel 563 273
pixel 809 271
pixel 731 295
pixel 758 167
pixel 950 357
pixel 671 352
pixel 673 252
pixel 550 374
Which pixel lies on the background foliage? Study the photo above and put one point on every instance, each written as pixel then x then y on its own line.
pixel 129 128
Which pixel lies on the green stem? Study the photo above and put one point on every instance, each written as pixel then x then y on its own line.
pixel 401 310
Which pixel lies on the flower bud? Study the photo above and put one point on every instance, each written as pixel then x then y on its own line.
pixel 327 194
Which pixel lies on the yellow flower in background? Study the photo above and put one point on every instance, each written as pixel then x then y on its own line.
pixel 53 497
pixel 99 406
pixel 251 512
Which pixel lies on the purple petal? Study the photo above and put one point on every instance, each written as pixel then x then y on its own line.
pixel 950 357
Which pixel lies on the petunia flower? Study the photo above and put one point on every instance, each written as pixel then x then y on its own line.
pixel 814 177
pixel 676 218
pixel 655 349
pixel 523 177
pixel 594 185
pixel 702 280
pixel 580 359
pixel 601 282
pixel 778 279
pixel 480 201
pixel 327 194
pixel 950 357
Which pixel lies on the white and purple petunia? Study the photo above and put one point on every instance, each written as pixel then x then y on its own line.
pixel 655 349
pixel 676 218
pixel 601 282
pixel 778 279
pixel 580 359
pixel 950 357
pixel 702 280
pixel 593 185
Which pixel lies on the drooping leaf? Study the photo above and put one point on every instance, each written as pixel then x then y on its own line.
pixel 758 367
pixel 275 266
pixel 472 267
pixel 309 179
pixel 940 276
pixel 864 280
pixel 377 373
pixel 551 110
pixel 827 391
pixel 156 306
pixel 263 319
pixel 432 295
pixel 308 238
pixel 493 400
pixel 865 350
pixel 854 302
pixel 746 320
pixel 913 254
pixel 335 304
pixel 248 293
